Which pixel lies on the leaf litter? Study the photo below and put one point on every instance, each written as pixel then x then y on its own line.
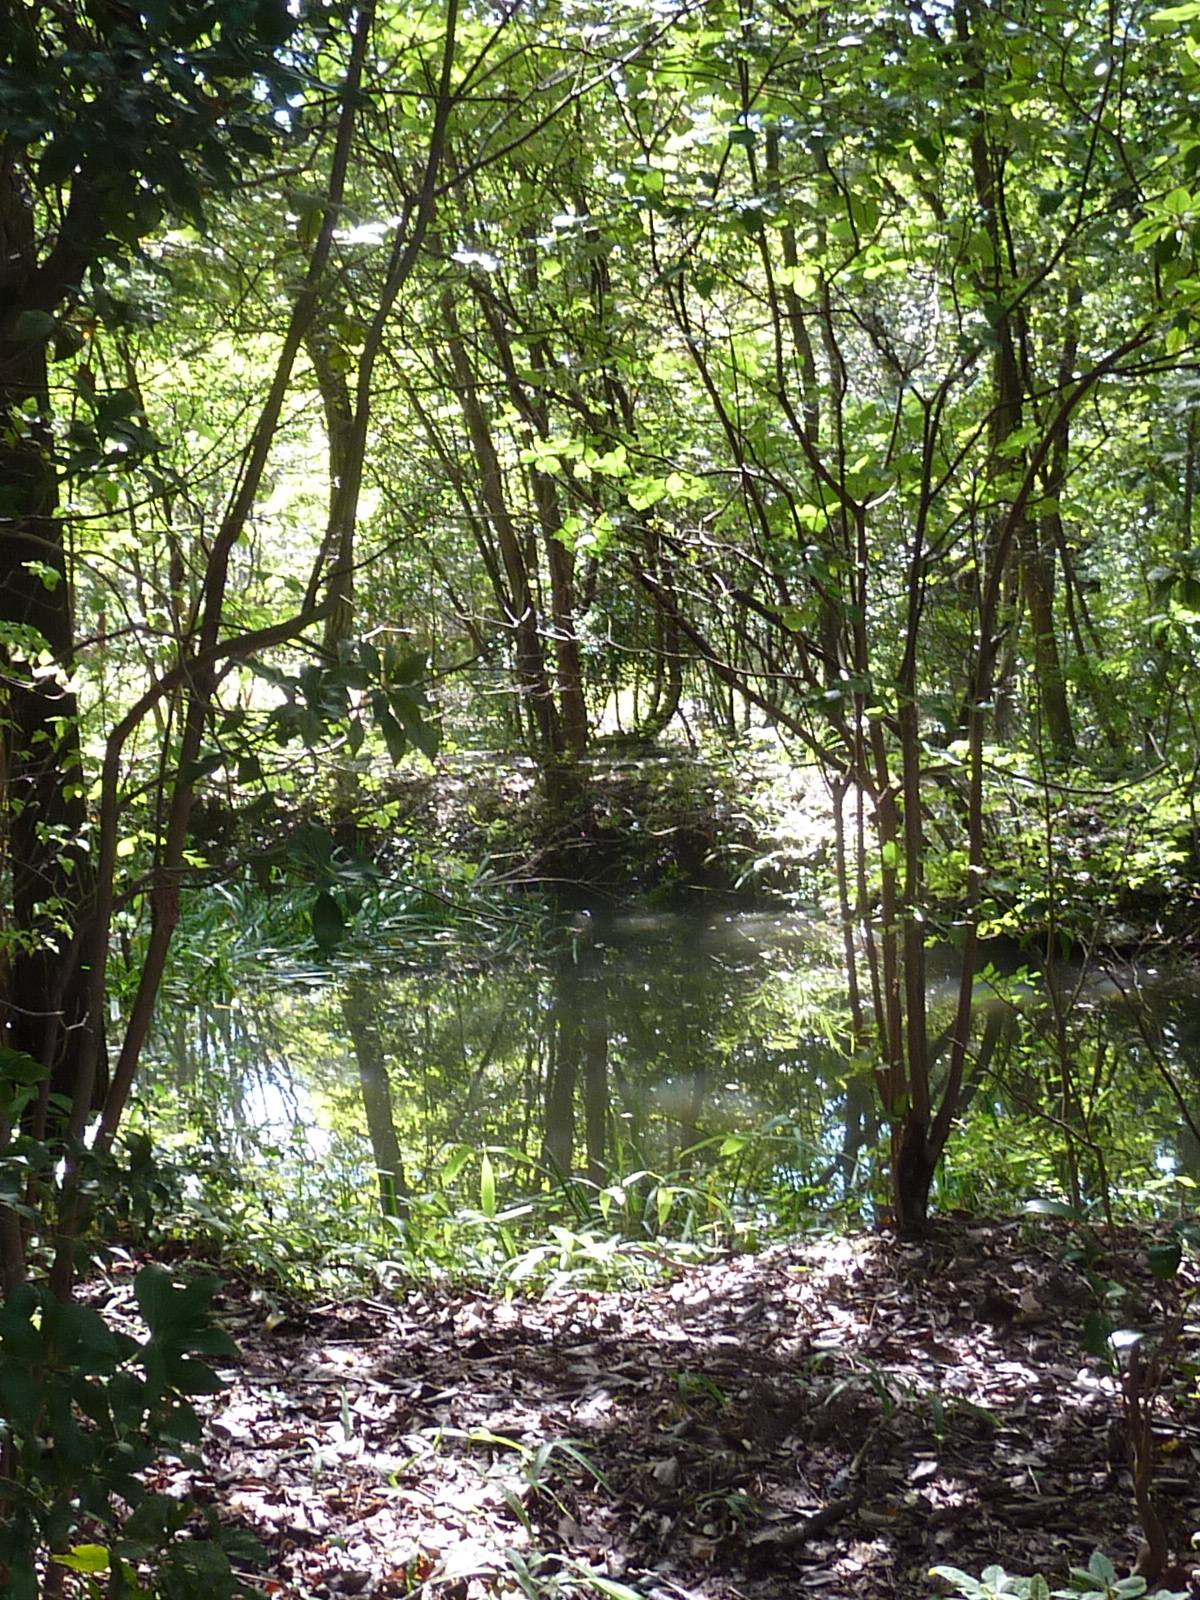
pixel 831 1417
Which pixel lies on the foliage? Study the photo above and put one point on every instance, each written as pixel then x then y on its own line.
pixel 668 393
pixel 1097 1581
pixel 86 1409
pixel 301 1230
pixel 729 1114
pixel 268 916
pixel 549 1577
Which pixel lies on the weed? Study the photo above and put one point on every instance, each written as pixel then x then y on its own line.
pixel 1097 1581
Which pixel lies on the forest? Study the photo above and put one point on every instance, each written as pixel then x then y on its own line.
pixel 600 638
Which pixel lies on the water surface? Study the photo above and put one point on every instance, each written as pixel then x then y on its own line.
pixel 704 1047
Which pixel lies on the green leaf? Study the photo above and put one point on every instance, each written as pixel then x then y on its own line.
pixel 274 23
pixel 83 1339
pixel 311 845
pixel 487 1186
pixel 157 1519
pixel 31 327
pixel 328 922
pixel 404 706
pixel 18 1067
pixel 192 772
pixel 22 1336
pixel 609 1587
pixel 84 1558
pixel 962 1581
pixel 179 1315
pixel 408 669
pixel 22 1582
pixel 1097 1334
pixel 153 1289
pixel 1165 1258
pixel 393 734
pixel 1172 18
pixel 455 1162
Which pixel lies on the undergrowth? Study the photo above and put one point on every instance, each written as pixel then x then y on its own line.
pixel 309 1226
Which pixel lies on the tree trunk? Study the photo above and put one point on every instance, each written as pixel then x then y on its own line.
pixel 46 1005
pixel 1036 558
pixel 518 601
pixel 913 1165
pixel 340 433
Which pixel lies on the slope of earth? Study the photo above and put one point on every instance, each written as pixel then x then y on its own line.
pixel 829 1418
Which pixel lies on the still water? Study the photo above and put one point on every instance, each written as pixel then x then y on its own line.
pixel 707 1047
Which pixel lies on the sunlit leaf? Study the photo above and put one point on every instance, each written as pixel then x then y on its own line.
pixel 84 1558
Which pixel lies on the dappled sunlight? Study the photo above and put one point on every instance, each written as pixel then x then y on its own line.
pixel 838 1415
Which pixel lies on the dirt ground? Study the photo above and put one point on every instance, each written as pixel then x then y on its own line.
pixel 831 1417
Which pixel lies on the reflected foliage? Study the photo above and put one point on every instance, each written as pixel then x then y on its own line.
pixel 657 1081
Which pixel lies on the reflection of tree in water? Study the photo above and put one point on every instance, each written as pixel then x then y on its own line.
pixel 578 1037
pixel 696 1038
pixel 360 1008
pixel 641 1047
pixel 1162 1022
pixel 1087 1080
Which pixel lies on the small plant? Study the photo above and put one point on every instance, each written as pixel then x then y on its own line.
pixel 992 1585
pixel 1097 1581
pixel 548 1576
pixel 86 1410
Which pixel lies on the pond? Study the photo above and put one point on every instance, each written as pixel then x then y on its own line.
pixel 668 1073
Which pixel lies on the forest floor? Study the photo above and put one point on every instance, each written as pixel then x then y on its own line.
pixel 830 1417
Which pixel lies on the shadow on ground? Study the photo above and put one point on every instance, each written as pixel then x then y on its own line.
pixel 830 1418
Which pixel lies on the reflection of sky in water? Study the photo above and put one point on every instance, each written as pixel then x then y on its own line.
pixel 271 1111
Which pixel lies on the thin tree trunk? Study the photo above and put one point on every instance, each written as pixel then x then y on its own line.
pixel 521 611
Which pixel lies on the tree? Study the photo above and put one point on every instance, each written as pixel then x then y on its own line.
pixel 109 117
pixel 886 259
pixel 193 93
pixel 197 95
